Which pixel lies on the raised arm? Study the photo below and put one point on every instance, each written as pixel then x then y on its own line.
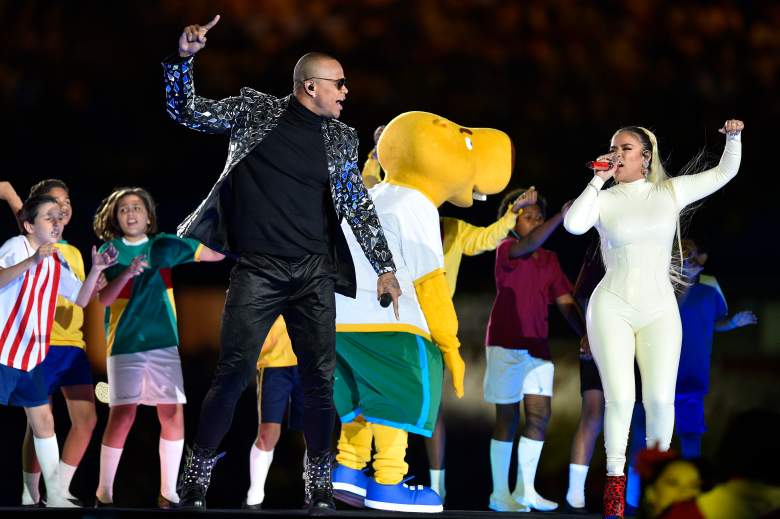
pixel 100 262
pixel 109 294
pixel 182 105
pixel 8 193
pixel 584 211
pixel 477 240
pixel 10 273
pixel 690 188
pixel 538 236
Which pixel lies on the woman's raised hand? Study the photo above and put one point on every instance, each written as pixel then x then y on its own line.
pixel 732 126
pixel 606 174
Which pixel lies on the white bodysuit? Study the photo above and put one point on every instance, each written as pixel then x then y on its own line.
pixel 633 310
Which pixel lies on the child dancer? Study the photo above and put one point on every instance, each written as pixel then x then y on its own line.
pixel 32 275
pixel 279 391
pixel 66 366
pixel 592 415
pixel 703 310
pixel 528 279
pixel 142 337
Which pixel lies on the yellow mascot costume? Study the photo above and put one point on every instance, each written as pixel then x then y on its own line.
pixel 389 370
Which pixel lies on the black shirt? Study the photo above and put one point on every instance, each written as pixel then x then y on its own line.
pixel 280 190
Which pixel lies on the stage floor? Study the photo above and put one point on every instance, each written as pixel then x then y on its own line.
pixel 225 513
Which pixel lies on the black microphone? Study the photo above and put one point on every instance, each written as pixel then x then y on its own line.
pixel 385 300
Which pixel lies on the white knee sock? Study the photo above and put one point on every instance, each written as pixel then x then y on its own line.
pixel 528 453
pixel 66 472
pixel 259 463
pixel 31 492
pixel 500 457
pixel 109 461
pixel 437 482
pixel 48 453
pixel 170 458
pixel 576 494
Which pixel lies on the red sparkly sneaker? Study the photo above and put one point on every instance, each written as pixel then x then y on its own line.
pixel 614 497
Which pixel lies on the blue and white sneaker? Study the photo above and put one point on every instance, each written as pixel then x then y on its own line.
pixel 402 497
pixel 349 485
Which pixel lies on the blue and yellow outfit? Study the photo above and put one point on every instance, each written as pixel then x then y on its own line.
pixel 701 307
pixel 66 364
pixel 279 389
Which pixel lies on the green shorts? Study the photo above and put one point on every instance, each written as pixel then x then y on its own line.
pixel 391 378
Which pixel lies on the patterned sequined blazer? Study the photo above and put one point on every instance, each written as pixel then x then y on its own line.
pixel 248 118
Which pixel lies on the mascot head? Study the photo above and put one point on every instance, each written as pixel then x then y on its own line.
pixel 445 161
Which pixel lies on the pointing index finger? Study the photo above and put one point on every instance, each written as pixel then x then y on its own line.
pixel 212 23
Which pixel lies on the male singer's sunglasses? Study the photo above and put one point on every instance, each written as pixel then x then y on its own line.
pixel 340 83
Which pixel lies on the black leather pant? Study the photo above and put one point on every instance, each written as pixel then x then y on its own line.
pixel 262 287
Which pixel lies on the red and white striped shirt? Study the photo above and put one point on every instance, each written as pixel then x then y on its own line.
pixel 28 303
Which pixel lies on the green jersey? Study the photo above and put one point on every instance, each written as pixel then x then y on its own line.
pixel 143 317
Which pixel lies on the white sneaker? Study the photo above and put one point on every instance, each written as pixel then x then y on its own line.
pixel 505 503
pixel 535 501
pixel 60 501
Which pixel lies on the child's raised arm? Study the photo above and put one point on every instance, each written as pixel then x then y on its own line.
pixel 109 294
pixel 538 236
pixel 8 193
pixel 7 275
pixel 100 262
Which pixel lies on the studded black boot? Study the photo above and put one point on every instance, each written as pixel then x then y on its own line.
pixel 195 476
pixel 319 486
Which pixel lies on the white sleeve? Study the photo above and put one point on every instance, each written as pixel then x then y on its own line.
pixel 12 252
pixel 584 211
pixel 690 188
pixel 70 286
pixel 421 242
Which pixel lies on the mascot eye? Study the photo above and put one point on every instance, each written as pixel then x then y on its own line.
pixel 469 144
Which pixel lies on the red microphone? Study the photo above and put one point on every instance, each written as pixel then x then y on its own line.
pixel 599 165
